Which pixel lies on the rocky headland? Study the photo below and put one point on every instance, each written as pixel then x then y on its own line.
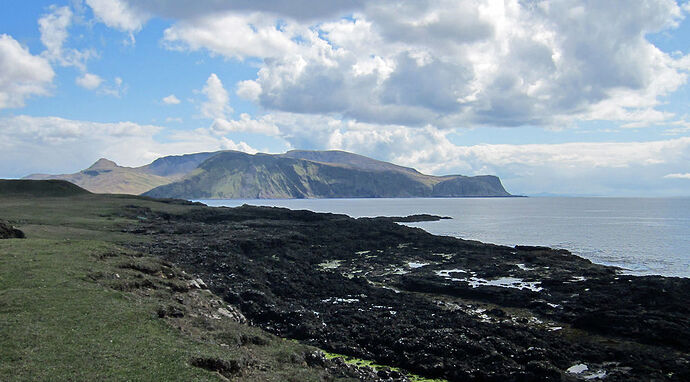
pixel 438 306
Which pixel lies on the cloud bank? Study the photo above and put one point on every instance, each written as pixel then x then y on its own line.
pixel 451 64
pixel 58 145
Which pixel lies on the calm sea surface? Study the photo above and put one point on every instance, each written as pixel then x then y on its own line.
pixel 643 235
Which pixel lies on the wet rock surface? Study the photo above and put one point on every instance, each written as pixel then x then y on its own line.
pixel 437 306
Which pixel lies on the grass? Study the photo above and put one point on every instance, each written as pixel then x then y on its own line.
pixel 55 325
pixel 28 187
pixel 74 305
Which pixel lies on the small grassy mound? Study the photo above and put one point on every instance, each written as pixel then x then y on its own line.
pixel 39 188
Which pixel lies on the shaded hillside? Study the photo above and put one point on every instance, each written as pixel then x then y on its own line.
pixel 106 176
pixel 451 185
pixel 176 165
pixel 349 160
pixel 240 175
pixel 39 188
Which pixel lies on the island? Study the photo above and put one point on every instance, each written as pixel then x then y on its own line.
pixel 296 174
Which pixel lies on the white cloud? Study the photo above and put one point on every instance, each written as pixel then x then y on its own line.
pixel 217 107
pixel 217 104
pixel 116 89
pixel 171 100
pixel 296 9
pixel 678 176
pixel 235 36
pixel 452 63
pixel 615 168
pixel 118 14
pixel 678 127
pixel 55 145
pixel 246 123
pixel 22 74
pixel 249 90
pixel 53 27
pixel 89 81
pixel 204 138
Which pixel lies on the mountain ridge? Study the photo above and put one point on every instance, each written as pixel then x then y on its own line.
pixel 237 175
pixel 294 174
pixel 349 159
pixel 106 176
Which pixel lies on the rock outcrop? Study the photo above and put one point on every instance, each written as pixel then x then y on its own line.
pixel 9 232
pixel 438 306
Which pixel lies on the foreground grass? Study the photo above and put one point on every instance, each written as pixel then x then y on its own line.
pixel 71 309
pixel 55 325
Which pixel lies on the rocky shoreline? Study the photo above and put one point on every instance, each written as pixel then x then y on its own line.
pixel 438 306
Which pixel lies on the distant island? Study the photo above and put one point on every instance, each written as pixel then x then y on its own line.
pixel 296 174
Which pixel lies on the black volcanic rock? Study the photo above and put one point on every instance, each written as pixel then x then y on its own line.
pixel 439 306
pixel 413 218
pixel 9 232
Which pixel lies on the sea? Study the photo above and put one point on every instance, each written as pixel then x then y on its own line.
pixel 643 236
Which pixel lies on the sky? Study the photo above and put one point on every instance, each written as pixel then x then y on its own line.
pixel 555 97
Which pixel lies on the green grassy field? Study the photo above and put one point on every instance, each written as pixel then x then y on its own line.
pixel 73 307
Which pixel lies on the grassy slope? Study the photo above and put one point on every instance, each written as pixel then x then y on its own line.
pixel 120 180
pixel 25 187
pixel 238 175
pixel 107 177
pixel 56 325
pixel 59 322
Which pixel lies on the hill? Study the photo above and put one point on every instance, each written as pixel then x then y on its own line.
pixel 317 174
pixel 347 159
pixel 295 174
pixel 39 188
pixel 105 176
pixel 176 165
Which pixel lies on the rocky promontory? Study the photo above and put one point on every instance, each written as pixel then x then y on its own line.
pixel 441 307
